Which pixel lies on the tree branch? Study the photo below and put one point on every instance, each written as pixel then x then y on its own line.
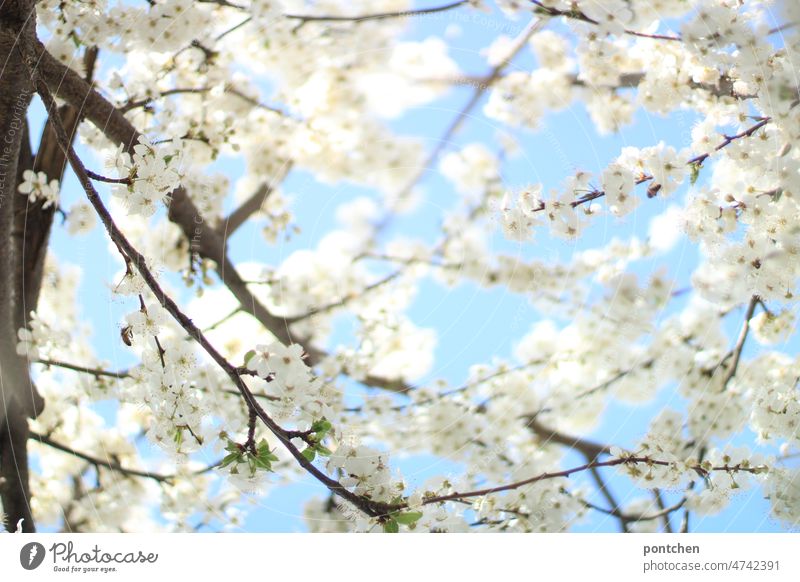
pixel 83 369
pixel 496 73
pixel 107 464
pixel 134 258
pixel 736 352
pixel 378 16
pixel 578 469
pixel 243 212
pixel 580 16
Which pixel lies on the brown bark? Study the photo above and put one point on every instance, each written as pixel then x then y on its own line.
pixel 18 397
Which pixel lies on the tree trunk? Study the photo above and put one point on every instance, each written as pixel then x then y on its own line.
pixel 18 397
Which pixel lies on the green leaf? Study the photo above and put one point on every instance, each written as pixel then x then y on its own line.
pixel 695 173
pixel 262 463
pixel 310 454
pixel 248 356
pixel 391 526
pixel 266 455
pixel 408 517
pixel 231 458
pixel 321 427
pixel 323 450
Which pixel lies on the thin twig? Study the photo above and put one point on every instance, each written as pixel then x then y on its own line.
pixel 84 369
pixel 736 352
pixel 377 16
pixel 578 469
pixel 665 514
pixel 101 178
pixel 580 16
pixel 496 73
pixel 108 464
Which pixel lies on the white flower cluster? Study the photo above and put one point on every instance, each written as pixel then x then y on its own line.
pixel 366 471
pixel 783 492
pixel 301 395
pixel 39 339
pixel 153 171
pixel 746 468
pixel 310 97
pixel 81 218
pixel 472 169
pixel 661 165
pixel 776 404
pixel 773 328
pixel 36 187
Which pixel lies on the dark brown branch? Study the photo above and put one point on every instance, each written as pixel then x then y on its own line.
pixel 378 16
pixel 219 322
pixel 782 27
pixel 665 511
pixel 736 352
pixel 730 139
pixel 145 102
pixel 243 212
pixel 605 491
pixel 97 462
pixel 84 369
pixel 106 179
pixel 568 472
pixel 580 16
pixel 654 188
pixel 589 449
pixel 224 4
pixel 591 452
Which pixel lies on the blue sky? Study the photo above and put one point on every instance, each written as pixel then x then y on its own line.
pixel 473 323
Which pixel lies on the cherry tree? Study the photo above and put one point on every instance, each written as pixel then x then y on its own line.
pixel 239 381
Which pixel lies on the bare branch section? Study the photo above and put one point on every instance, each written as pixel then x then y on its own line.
pixel 97 462
pixel 97 372
pixel 480 89
pixel 303 18
pixel 695 162
pixel 249 207
pixel 594 464
pixel 581 17
pixel 591 451
pixel 736 353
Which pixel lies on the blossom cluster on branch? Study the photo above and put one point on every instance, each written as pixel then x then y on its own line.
pixel 239 378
